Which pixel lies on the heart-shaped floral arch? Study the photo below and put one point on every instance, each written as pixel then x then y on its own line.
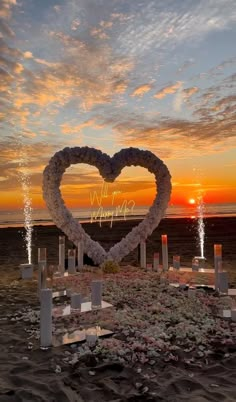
pixel 109 168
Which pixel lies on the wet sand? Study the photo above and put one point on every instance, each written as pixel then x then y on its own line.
pixel 182 239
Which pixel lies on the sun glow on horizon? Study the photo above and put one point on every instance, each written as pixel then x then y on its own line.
pixel 192 201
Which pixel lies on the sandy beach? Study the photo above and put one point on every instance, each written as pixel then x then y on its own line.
pixel 166 346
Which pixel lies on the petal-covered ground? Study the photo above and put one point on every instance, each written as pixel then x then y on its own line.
pixel 167 346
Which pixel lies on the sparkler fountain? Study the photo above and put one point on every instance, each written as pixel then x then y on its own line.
pixel 26 269
pixel 201 225
pixel 199 261
pixel 25 183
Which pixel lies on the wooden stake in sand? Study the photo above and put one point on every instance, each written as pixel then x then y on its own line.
pixel 45 318
pixel 62 254
pixel 143 261
pixel 155 262
pixel 71 261
pixel 80 255
pixel 217 262
pixel 164 244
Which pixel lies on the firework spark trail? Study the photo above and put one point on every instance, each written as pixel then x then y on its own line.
pixel 25 184
pixel 201 225
pixel 24 177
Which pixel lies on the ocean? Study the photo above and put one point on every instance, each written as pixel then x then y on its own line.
pixel 15 218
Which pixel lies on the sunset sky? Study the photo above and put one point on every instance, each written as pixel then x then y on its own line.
pixel 153 74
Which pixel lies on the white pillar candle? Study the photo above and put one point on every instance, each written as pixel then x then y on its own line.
pixel 96 296
pixel 223 282
pixel 217 262
pixel 27 271
pixel 45 318
pixel 71 261
pixel 143 254
pixel 76 301
pixel 80 255
pixel 164 244
pixel 155 261
pixel 62 254
pixel 176 262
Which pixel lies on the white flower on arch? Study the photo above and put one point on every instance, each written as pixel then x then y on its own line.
pixel 109 168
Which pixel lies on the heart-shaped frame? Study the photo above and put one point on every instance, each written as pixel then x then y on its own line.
pixel 109 168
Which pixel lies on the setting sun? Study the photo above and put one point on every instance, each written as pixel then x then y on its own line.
pixel 192 201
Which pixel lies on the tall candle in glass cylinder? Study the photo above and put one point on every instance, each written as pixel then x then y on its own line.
pixel 217 262
pixel 143 261
pixel 80 255
pixel 223 283
pixel 76 301
pixel 155 261
pixel 71 261
pixel 164 245
pixel 42 268
pixel 45 318
pixel 62 254
pixel 96 296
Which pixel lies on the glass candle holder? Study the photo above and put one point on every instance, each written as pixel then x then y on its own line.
pixel 155 261
pixel 71 260
pixel 96 296
pixel 164 244
pixel 91 336
pixel 62 254
pixel 42 254
pixel 75 301
pixel 62 240
pixel 176 261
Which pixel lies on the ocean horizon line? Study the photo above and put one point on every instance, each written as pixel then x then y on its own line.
pixel 86 215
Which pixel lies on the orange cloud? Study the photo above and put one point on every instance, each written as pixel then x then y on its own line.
pixel 91 76
pixel 69 128
pixel 5 8
pixel 141 90
pixel 170 89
